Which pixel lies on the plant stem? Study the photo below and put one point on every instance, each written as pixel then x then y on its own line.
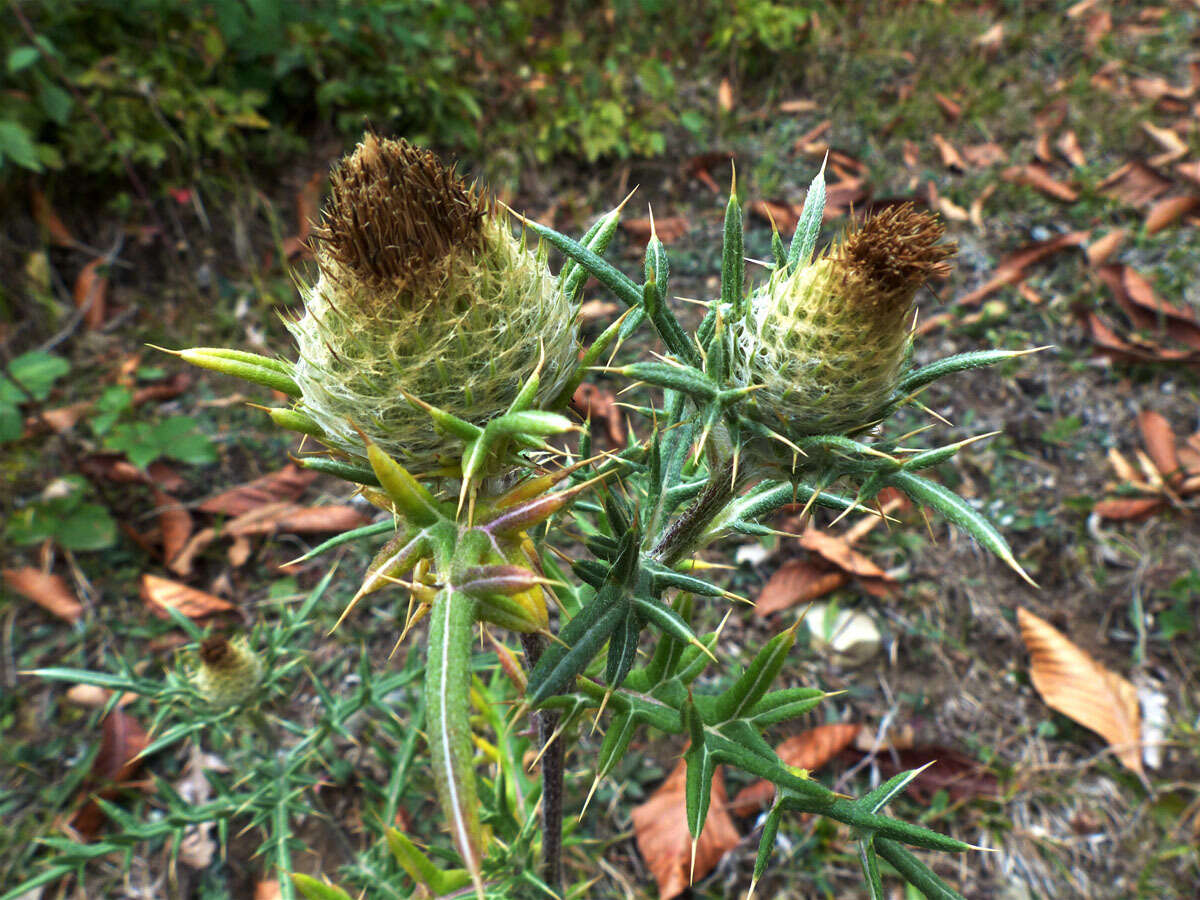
pixel 682 535
pixel 553 759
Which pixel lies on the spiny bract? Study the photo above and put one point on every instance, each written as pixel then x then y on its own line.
pixel 424 290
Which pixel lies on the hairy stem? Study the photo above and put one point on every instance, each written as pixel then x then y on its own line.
pixel 553 761
pixel 682 536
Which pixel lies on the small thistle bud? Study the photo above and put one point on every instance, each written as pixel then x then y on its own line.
pixel 422 290
pixel 828 341
pixel 229 671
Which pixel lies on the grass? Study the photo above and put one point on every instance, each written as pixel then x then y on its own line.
pixel 1070 823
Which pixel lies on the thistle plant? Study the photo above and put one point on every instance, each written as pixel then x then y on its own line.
pixel 434 361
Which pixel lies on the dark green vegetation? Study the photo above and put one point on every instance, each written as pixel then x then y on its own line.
pixel 1071 821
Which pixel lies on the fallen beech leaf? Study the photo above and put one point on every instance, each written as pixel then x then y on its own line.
pixel 699 167
pixel 184 561
pixel 784 215
pixel 174 523
pixel 1073 683
pixel 1160 444
pixel 1168 211
pixel 48 591
pixel 1111 345
pixel 1189 170
pixel 951 158
pixel 287 484
pixel 725 95
pixel 839 552
pixel 809 750
pixel 289 518
pixel 950 109
pixel 91 289
pixel 1174 147
pixel 594 402
pixel 797 106
pixel 1012 268
pixel 1097 27
pixel 669 230
pixel 798 581
pixel 980 156
pixel 163 390
pixel 267 890
pixel 59 420
pixel 308 207
pixel 1068 145
pixel 239 551
pixel 975 213
pixel 599 310
pixel 660 826
pixel 163 594
pixel 122 739
pixel 911 154
pixel 1146 310
pixel 841 196
pixel 1099 250
pixel 1078 9
pixel 47 218
pixel 1038 178
pixel 1134 183
pixel 808 143
pixel 93 696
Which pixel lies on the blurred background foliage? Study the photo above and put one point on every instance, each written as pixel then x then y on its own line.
pixel 97 86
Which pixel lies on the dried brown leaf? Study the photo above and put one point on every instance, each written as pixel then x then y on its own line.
pixel 1160 444
pixel 725 95
pixel 1039 178
pixel 980 156
pixel 951 158
pixel 598 404
pixel 1068 145
pixel 808 143
pixel 1134 183
pixel 1168 211
pixel 48 591
pixel 289 518
pixel 1012 268
pixel 1070 681
pixel 91 290
pixel 122 739
pixel 1099 250
pixel 798 581
pixel 163 594
pixel 809 750
pixel 288 483
pixel 669 229
pixel 174 524
pixel 950 108
pixel 784 215
pixel 837 550
pixel 660 826
pixel 1174 147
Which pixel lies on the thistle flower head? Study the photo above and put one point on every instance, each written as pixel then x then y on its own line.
pixel 229 671
pixel 422 290
pixel 828 341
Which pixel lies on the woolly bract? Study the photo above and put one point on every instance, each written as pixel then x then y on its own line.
pixel 421 291
pixel 828 341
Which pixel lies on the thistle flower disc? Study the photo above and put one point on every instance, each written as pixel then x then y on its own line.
pixel 423 290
